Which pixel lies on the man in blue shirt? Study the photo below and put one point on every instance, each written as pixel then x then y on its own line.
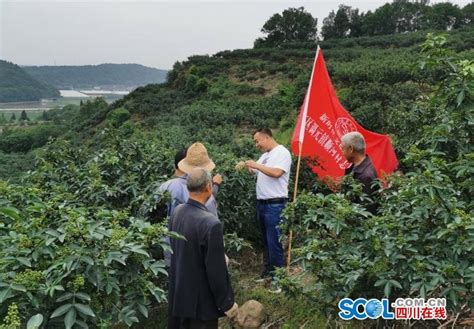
pixel 195 156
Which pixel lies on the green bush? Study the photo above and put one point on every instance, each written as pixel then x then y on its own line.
pixel 118 116
pixel 76 265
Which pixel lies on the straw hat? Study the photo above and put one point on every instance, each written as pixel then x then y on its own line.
pixel 196 157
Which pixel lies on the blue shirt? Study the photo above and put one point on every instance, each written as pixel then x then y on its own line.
pixel 179 194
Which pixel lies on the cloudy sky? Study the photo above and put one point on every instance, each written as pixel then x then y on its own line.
pixel 153 33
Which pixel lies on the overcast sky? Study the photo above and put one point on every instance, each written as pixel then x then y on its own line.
pixel 153 33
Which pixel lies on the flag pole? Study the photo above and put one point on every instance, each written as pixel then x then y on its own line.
pixel 290 239
pixel 300 148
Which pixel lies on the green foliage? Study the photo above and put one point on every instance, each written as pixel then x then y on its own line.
pixel 118 116
pixel 12 319
pixel 105 163
pixel 16 85
pixel 28 138
pixel 234 244
pixel 65 261
pixel 395 17
pixel 293 25
pixel 92 259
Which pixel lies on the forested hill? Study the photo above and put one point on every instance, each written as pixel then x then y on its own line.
pixel 103 75
pixel 18 86
pixel 377 79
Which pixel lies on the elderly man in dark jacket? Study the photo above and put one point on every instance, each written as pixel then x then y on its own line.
pixel 199 291
pixel 362 169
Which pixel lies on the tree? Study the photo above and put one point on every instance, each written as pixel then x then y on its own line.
pixel 3 120
pixel 13 117
pixel 468 13
pixel 409 16
pixel 341 21
pixel 346 22
pixel 45 116
pixel 328 30
pixel 24 116
pixel 445 16
pixel 293 25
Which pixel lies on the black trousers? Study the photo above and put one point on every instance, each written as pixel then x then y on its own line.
pixel 186 323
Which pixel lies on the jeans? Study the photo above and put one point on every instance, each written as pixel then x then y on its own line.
pixel 269 217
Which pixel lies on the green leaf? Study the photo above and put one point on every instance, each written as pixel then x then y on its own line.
pixel 84 309
pixel 10 212
pixel 460 98
pixel 423 291
pixel 88 260
pixel 65 296
pixel 139 250
pixel 25 261
pixel 61 310
pixel 5 294
pixel 18 287
pixel 396 284
pixel 70 318
pixel 83 296
pixel 35 321
pixel 143 310
pixel 387 289
pixel 380 282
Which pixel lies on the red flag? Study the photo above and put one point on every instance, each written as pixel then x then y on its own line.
pixel 325 121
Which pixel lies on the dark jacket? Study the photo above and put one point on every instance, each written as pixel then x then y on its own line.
pixel 199 282
pixel 365 173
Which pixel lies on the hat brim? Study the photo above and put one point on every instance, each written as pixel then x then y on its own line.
pixel 185 167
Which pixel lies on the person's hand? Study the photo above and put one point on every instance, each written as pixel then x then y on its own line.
pixel 251 164
pixel 240 165
pixel 232 312
pixel 217 179
pixel 226 260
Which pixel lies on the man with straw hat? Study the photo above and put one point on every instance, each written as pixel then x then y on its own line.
pixel 195 156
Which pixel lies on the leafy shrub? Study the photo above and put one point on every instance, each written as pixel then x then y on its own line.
pixel 118 116
pixel 74 264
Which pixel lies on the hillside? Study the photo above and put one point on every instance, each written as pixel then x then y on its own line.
pixel 103 75
pixel 85 228
pixel 16 85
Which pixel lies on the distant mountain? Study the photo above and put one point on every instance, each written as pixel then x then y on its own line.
pixel 18 86
pixel 107 76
